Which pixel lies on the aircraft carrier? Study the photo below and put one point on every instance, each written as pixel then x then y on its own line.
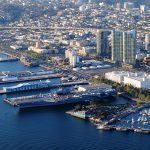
pixel 81 94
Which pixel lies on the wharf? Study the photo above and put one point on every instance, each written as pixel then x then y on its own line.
pixel 24 73
pixel 8 59
pixel 79 114
pixel 10 55
pixel 45 67
pixel 33 78
pixel 10 103
pixel 48 87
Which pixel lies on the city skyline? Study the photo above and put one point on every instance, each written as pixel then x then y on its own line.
pixel 74 74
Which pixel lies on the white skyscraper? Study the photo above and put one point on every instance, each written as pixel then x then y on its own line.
pixel 143 8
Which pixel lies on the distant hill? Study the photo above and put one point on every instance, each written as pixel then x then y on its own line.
pixel 32 9
pixel 11 12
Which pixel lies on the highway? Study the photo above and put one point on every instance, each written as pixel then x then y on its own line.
pixel 47 28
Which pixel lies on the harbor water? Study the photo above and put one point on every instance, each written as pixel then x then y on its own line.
pixel 52 129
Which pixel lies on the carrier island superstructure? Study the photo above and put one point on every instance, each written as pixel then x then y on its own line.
pixel 73 95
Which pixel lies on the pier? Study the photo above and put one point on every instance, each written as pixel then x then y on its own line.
pixel 10 55
pixel 8 59
pixel 23 76
pixel 47 87
pixel 78 114
pixel 123 129
pixel 32 78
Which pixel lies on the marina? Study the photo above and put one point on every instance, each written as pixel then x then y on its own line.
pixel 120 118
pixel 137 121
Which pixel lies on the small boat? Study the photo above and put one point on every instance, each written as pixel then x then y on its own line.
pixel 121 129
pixel 103 127
pixel 138 130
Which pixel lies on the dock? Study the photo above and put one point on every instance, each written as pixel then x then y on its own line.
pixel 79 114
pixel 68 84
pixel 32 78
pixel 8 59
pixel 23 76
pixel 135 109
pixel 123 129
pixel 10 103
pixel 10 55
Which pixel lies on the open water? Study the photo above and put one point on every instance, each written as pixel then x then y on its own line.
pixel 52 129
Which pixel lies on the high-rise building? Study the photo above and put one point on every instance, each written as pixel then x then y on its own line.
pixel 103 43
pixel 147 42
pixel 118 6
pixel 123 46
pixel 72 56
pixel 129 47
pixel 143 8
pixel 117 46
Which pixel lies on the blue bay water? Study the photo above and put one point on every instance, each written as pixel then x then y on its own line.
pixel 52 129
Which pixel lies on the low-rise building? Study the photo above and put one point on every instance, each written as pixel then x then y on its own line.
pixel 38 49
pixel 116 76
pixel 138 80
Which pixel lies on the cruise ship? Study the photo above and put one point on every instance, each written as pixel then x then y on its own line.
pixel 61 98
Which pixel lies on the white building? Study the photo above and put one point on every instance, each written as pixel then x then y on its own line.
pixel 84 8
pixel 138 80
pixel 143 8
pixel 38 49
pixel 73 57
pixel 15 47
pixel 116 76
pixel 128 6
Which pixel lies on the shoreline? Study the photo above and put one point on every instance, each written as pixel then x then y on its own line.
pixel 108 125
